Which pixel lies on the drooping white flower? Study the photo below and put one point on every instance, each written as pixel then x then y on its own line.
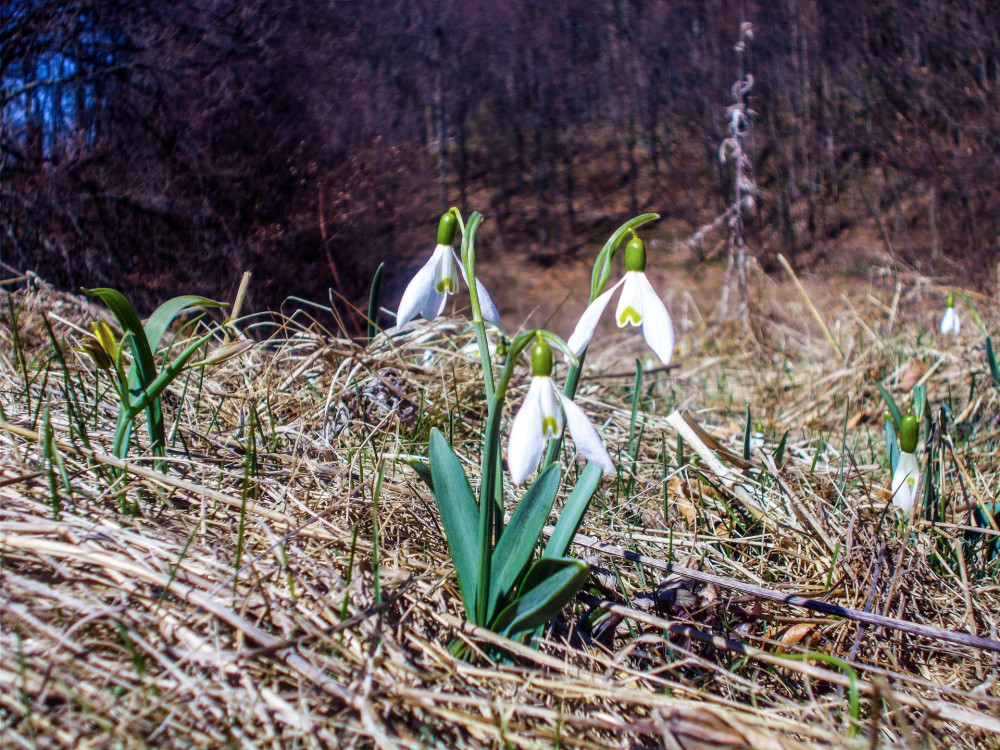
pixel 906 475
pixel 638 305
pixel 428 290
pixel 949 321
pixel 541 417
pixel 904 482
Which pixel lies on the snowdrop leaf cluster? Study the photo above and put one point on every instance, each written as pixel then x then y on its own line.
pixel 503 585
pixel 140 389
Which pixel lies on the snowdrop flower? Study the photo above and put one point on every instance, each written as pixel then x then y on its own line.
pixel 907 473
pixel 638 305
pixel 428 291
pixel 541 417
pixel 949 321
pixel 757 437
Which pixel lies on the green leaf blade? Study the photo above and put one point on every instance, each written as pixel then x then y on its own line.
pixel 459 514
pixel 517 544
pixel 141 374
pixel 572 512
pixel 549 586
pixel 897 415
pixel 158 323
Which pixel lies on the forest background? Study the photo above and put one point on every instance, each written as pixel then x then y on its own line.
pixel 167 146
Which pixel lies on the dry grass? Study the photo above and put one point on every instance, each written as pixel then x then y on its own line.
pixel 250 602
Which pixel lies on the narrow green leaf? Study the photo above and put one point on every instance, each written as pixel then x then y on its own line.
pixel 550 584
pixel 897 416
pixel 155 389
pixel 158 323
pixel 517 544
pixel 144 370
pixel 991 360
pixel 572 512
pixel 746 436
pixel 373 298
pixel 779 453
pixel 423 470
pixel 891 445
pixel 128 318
pixel 459 514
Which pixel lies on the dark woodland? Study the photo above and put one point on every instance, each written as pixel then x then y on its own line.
pixel 166 146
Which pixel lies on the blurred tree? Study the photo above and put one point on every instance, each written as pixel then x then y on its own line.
pixel 173 144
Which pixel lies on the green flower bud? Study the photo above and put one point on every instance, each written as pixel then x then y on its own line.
pixel 951 300
pixel 909 431
pixel 447 228
pixel 541 358
pixel 635 254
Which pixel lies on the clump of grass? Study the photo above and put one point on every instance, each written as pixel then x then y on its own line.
pixel 284 583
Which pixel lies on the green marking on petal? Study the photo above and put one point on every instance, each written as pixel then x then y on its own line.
pixel 629 316
pixel 550 427
pixel 448 285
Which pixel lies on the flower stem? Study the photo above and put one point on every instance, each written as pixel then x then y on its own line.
pixel 469 261
pixel 569 390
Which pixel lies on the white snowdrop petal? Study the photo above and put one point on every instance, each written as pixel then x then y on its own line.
pixel 950 322
pixel 630 310
pixel 657 328
pixel 525 442
pixel 584 330
pixel 419 294
pixel 904 481
pixel 585 436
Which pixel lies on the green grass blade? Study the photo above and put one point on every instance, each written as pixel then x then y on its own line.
pixel 891 446
pixel 373 298
pixel 746 436
pixel 991 360
pixel 779 453
pixel 423 470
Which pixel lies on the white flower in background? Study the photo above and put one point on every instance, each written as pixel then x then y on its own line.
pixel 904 482
pixel 541 417
pixel 428 291
pixel 638 305
pixel 757 437
pixel 906 475
pixel 949 321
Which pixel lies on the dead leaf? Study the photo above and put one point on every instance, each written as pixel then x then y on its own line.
pixel 678 495
pixel 793 634
pixel 859 418
pixel 911 373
